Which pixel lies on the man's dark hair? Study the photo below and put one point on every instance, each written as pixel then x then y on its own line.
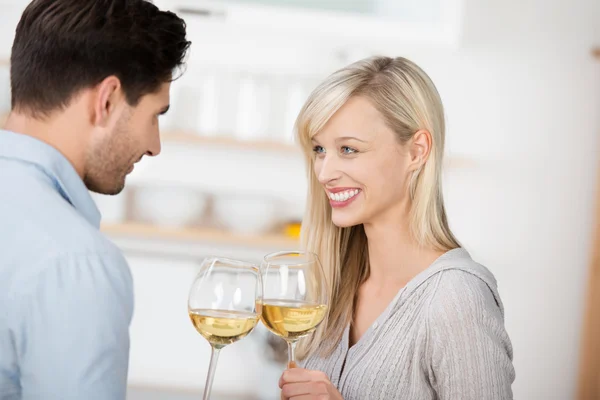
pixel 64 46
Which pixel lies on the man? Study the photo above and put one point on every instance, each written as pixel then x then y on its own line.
pixel 89 79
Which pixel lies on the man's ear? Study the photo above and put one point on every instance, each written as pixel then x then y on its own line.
pixel 108 95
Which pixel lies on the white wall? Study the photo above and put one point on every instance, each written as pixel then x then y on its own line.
pixel 523 99
pixel 532 106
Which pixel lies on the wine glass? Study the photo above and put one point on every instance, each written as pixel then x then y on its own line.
pixel 224 305
pixel 295 296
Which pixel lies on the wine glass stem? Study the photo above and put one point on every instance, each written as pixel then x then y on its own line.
pixel 214 358
pixel 292 354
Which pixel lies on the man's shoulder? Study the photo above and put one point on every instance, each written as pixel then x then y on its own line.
pixel 56 240
pixel 38 217
pixel 40 229
pixel 56 228
pixel 103 271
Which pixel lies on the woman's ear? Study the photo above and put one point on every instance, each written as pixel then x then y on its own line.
pixel 419 149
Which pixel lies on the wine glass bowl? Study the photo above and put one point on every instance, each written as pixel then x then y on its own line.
pixel 295 296
pixel 292 320
pixel 221 328
pixel 224 304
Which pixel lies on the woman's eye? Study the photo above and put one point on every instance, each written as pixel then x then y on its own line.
pixel 318 149
pixel 348 150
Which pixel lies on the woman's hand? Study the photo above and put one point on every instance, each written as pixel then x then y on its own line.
pixel 302 384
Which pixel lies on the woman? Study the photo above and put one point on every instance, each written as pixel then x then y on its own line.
pixel 412 316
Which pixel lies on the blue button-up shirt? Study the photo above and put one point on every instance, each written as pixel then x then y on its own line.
pixel 66 295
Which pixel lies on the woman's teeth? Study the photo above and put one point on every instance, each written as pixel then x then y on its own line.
pixel 343 196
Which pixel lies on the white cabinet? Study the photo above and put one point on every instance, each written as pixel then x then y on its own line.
pixel 357 22
pixel 400 10
pixel 10 13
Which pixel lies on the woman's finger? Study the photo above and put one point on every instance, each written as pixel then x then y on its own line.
pixel 291 390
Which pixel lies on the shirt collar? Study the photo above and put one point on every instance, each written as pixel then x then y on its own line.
pixel 66 181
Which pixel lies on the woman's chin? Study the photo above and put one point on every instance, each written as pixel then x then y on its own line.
pixel 345 222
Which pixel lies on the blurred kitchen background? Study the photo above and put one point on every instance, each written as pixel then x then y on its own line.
pixel 521 87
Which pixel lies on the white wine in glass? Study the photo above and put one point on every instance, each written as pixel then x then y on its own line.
pixel 224 305
pixel 295 296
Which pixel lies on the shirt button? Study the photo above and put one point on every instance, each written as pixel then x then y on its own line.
pixel 376 325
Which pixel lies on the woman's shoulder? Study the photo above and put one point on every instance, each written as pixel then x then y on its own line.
pixel 465 329
pixel 463 285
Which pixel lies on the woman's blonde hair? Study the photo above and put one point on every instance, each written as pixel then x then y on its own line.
pixel 408 101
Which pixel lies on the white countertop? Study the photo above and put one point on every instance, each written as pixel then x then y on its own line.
pixel 138 393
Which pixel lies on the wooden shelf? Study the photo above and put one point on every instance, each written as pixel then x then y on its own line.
pixel 224 141
pixel 266 145
pixel 227 141
pixel 187 137
pixel 147 231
